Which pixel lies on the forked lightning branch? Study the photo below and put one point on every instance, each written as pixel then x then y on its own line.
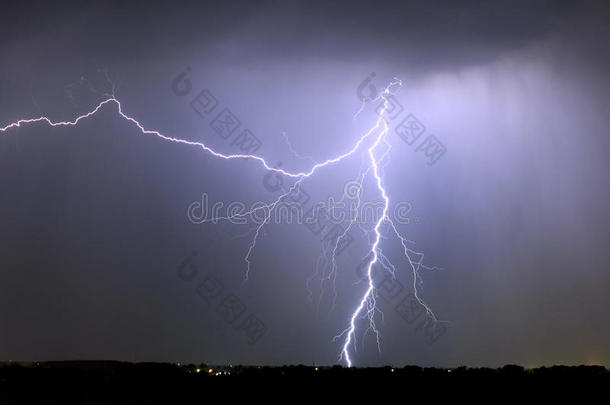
pixel 373 143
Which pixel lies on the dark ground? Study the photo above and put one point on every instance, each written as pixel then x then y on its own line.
pixel 101 382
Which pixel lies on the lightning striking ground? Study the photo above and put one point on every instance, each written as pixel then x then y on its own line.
pixel 367 304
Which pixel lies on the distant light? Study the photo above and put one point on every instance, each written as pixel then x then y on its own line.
pixel 198 370
pixel 392 370
pixel 210 371
pixel 316 369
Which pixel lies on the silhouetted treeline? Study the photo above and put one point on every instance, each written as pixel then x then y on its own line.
pixel 121 382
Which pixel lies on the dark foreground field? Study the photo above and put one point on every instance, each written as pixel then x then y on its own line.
pixel 100 382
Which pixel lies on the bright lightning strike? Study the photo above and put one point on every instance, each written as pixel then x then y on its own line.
pixel 367 305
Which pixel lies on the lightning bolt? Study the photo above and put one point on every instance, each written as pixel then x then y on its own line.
pixel 367 305
pixel 368 299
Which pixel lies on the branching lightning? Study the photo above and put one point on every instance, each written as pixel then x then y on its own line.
pixel 376 153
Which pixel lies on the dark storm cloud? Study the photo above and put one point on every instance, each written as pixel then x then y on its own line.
pixel 421 33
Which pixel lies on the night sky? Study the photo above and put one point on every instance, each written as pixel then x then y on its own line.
pixel 100 258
